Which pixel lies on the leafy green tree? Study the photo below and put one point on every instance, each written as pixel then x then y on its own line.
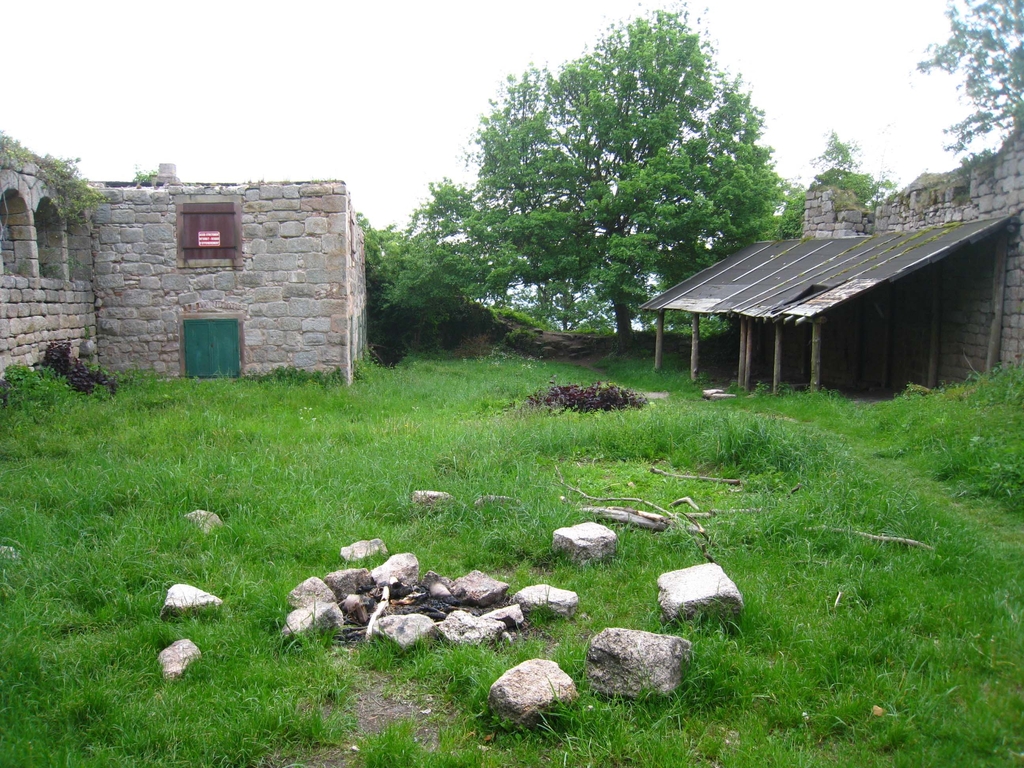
pixel 634 165
pixel 839 167
pixel 788 223
pixel 422 282
pixel 985 46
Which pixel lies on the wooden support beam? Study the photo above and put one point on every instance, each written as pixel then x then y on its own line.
pixel 659 340
pixel 936 327
pixel 777 361
pixel 743 352
pixel 695 347
pixel 995 331
pixel 858 342
pixel 749 354
pixel 816 355
pixel 887 339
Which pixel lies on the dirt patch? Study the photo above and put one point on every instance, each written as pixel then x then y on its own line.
pixel 377 706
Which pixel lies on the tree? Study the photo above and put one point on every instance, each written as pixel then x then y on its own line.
pixel 421 283
pixel 634 165
pixel 985 46
pixel 839 167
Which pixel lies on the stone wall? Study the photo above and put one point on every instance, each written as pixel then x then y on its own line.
pixel 993 189
pixel 298 288
pixel 45 291
pixel 830 213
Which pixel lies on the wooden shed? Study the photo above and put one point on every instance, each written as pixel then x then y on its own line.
pixel 878 311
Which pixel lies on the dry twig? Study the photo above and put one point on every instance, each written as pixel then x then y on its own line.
pixel 705 478
pixel 882 539
pixel 631 516
pixel 696 527
pixel 685 500
pixel 382 606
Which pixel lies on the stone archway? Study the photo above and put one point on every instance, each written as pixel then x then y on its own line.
pixel 17 236
pixel 51 241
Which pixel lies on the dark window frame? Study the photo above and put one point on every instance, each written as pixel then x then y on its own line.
pixel 222 212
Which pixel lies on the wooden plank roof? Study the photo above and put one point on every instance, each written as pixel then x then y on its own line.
pixel 806 278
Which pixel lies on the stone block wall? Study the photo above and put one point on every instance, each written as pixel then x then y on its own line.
pixel 298 288
pixel 45 291
pixel 827 215
pixel 993 189
pixel 35 311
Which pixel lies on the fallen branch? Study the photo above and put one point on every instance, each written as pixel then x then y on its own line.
pixel 882 539
pixel 685 500
pixel 705 478
pixel 385 598
pixel 697 528
pixel 631 517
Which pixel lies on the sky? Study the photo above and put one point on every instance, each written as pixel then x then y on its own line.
pixel 387 95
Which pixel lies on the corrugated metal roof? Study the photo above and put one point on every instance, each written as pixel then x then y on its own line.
pixel 805 278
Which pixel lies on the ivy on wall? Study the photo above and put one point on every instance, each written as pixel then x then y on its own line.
pixel 70 194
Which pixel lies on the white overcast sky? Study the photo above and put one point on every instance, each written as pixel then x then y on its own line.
pixel 386 95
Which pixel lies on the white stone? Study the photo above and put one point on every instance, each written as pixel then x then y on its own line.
pixel 510 615
pixel 177 656
pixel 525 691
pixel 360 550
pixel 463 628
pixel 478 589
pixel 703 589
pixel 317 616
pixel 404 567
pixel 183 598
pixel 561 602
pixel 205 521
pixel 9 553
pixel 585 542
pixel 348 582
pixel 626 662
pixel 312 590
pixel 407 630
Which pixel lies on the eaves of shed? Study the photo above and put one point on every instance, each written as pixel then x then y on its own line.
pixel 803 280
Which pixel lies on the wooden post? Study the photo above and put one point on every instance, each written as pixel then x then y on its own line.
pixel 887 340
pixel 816 355
pixel 659 340
pixel 936 326
pixel 777 362
pixel 695 347
pixel 858 342
pixel 743 351
pixel 995 331
pixel 748 357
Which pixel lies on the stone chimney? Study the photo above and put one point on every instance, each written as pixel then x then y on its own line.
pixel 168 174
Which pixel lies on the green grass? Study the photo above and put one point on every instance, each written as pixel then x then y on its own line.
pixel 93 490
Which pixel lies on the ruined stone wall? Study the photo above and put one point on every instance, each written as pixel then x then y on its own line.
pixel 298 289
pixel 993 189
pixel 828 214
pixel 45 269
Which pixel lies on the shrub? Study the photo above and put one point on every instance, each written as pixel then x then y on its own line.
pixel 78 375
pixel 24 386
pixel 602 396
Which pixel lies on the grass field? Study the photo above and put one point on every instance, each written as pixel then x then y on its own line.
pixel 93 491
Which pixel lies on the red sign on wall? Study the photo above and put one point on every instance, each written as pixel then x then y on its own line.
pixel 209 239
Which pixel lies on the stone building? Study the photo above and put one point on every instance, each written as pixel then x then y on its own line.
pixel 927 288
pixel 198 280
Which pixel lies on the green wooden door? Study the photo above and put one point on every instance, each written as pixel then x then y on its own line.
pixel 211 348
